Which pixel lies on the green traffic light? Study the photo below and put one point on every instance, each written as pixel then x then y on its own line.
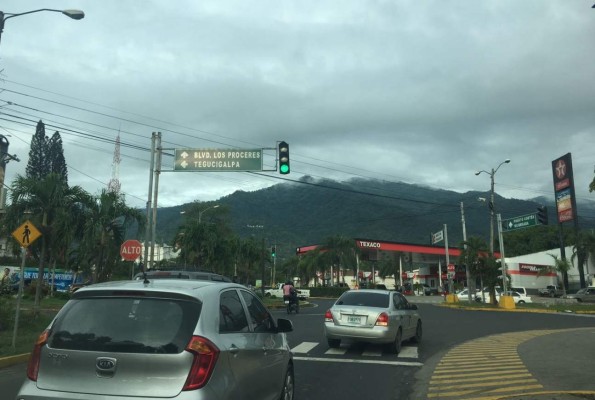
pixel 284 169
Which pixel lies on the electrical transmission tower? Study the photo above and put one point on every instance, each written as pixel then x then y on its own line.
pixel 114 183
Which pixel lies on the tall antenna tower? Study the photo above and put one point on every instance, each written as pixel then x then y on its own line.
pixel 114 183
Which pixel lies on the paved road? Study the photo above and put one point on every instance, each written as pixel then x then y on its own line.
pixel 463 355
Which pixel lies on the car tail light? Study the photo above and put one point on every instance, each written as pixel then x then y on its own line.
pixel 382 320
pixel 33 367
pixel 328 316
pixel 205 356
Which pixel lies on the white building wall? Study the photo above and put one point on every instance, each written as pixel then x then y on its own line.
pixel 545 258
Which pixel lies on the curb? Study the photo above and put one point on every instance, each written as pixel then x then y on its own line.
pixel 8 361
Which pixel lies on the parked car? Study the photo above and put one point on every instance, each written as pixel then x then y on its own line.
pixel 430 291
pixel 374 316
pixel 519 298
pixel 463 295
pixel 174 339
pixel 586 295
pixel 182 274
pixel 551 291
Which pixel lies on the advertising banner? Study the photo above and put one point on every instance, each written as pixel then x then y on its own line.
pixel 564 188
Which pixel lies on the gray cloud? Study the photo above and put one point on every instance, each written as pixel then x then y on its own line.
pixel 424 92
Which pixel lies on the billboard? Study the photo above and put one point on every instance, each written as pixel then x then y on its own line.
pixel 564 188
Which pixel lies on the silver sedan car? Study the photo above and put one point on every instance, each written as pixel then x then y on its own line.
pixel 162 339
pixel 373 316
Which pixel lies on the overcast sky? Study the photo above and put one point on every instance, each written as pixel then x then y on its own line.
pixel 424 92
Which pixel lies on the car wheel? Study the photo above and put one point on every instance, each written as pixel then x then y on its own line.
pixel 579 300
pixel 395 347
pixel 334 343
pixel 288 386
pixel 521 302
pixel 267 295
pixel 418 333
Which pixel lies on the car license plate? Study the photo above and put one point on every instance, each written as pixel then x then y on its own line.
pixel 353 319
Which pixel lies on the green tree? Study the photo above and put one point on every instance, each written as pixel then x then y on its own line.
pixel 340 253
pixel 55 156
pixel 309 265
pixel 583 250
pixel 38 165
pixel 45 199
pixel 561 265
pixel 106 219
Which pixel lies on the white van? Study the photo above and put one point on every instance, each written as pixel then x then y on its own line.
pixel 521 290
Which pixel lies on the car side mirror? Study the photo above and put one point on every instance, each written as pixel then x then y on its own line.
pixel 284 325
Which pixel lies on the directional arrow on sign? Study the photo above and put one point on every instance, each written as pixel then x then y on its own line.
pixel 185 155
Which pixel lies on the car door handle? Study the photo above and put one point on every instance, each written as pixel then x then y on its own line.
pixel 234 349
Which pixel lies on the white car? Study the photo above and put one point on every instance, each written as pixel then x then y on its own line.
pixel 463 295
pixel 519 298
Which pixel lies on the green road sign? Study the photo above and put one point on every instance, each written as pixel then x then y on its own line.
pixel 524 221
pixel 218 160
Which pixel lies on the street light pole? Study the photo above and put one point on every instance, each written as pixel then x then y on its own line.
pixel 203 211
pixel 74 14
pixel 491 205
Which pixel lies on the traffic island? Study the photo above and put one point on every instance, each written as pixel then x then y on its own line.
pixel 452 298
pixel 507 302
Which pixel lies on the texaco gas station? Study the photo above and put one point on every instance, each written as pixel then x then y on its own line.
pixel 419 264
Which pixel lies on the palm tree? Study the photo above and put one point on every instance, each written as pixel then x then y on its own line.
pixel 45 199
pixel 340 252
pixel 561 265
pixel 583 250
pixel 473 252
pixel 106 219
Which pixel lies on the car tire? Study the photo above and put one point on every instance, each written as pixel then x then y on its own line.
pixel 418 333
pixel 288 385
pixel 521 302
pixel 333 343
pixel 395 347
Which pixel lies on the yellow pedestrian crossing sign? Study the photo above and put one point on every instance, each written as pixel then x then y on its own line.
pixel 26 234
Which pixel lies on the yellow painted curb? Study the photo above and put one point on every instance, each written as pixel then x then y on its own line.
pixel 506 302
pixel 8 361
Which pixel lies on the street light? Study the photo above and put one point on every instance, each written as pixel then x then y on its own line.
pixel 200 213
pixel 74 14
pixel 491 174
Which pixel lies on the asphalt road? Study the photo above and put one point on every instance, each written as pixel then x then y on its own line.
pixel 463 355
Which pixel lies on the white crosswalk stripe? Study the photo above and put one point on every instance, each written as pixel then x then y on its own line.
pixel 410 352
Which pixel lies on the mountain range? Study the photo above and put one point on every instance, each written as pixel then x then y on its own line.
pixel 290 215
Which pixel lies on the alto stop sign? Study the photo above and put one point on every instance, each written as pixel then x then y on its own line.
pixel 130 250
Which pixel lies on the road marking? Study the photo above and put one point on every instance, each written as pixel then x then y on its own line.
pixel 336 352
pixel 408 352
pixel 485 369
pixel 304 347
pixel 353 361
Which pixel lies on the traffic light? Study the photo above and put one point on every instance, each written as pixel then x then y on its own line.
pixel 542 215
pixel 274 251
pixel 283 158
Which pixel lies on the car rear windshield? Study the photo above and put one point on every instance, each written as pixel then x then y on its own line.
pixel 125 324
pixel 366 299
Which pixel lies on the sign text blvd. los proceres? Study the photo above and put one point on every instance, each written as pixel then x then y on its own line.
pixel 218 160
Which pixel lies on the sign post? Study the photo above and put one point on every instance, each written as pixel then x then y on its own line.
pixel 25 234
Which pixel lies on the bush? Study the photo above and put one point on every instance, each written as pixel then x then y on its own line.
pixel 7 312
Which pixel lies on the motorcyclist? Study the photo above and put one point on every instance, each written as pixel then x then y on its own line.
pixel 290 294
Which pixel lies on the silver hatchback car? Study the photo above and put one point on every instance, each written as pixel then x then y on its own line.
pixel 373 316
pixel 162 339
